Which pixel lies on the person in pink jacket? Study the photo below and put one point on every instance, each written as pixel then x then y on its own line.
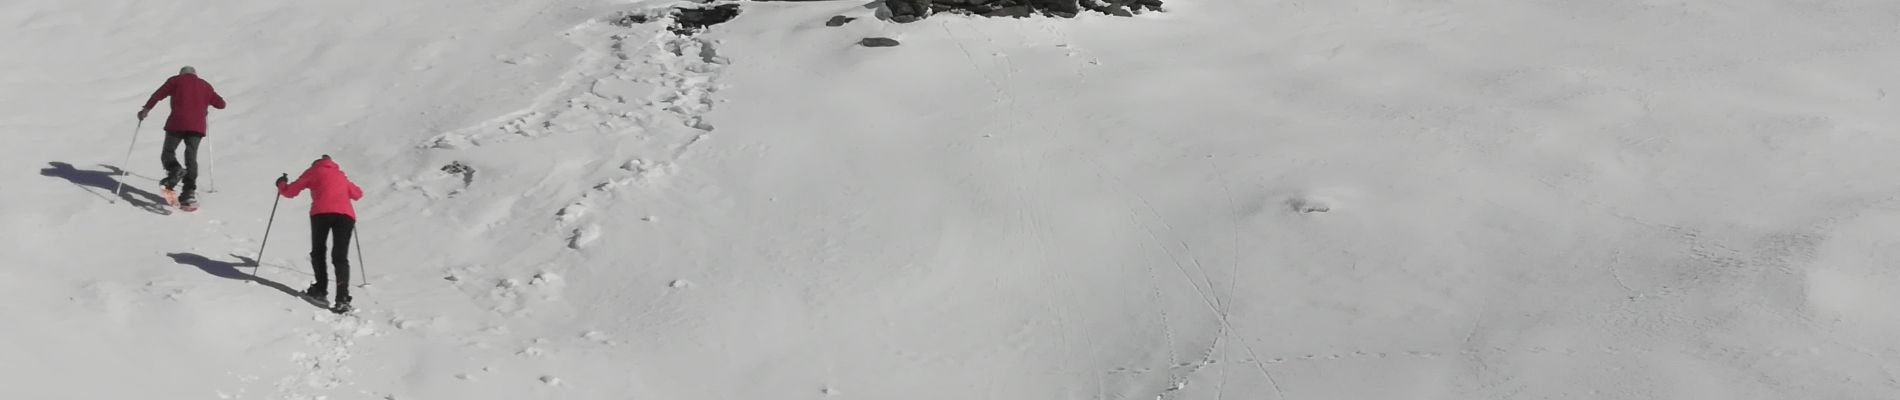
pixel 331 213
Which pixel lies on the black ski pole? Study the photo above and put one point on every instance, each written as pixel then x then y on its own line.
pixel 360 268
pixel 275 197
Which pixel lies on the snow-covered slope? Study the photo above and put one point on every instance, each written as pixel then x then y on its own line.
pixel 1298 200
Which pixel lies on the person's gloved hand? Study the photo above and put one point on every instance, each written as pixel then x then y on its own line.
pixel 142 114
pixel 283 180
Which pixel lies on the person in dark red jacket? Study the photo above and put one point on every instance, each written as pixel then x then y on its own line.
pixel 331 213
pixel 190 96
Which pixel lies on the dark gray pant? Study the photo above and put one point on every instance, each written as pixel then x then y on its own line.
pixel 321 227
pixel 189 171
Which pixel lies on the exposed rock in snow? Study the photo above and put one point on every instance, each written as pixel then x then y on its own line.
pixel 878 42
pixel 913 10
pixel 690 20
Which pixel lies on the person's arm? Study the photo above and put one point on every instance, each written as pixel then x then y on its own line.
pixel 163 91
pixel 292 189
pixel 356 192
pixel 216 100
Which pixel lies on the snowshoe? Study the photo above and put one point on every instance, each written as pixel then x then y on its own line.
pixel 317 295
pixel 188 203
pixel 342 305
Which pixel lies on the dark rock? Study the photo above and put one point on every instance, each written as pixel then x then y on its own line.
pixel 458 168
pixel 1017 11
pixel 912 10
pixel 687 21
pixel 908 10
pixel 1061 8
pixel 839 20
pixel 878 42
pixel 631 19
pixel 972 7
pixel 1117 8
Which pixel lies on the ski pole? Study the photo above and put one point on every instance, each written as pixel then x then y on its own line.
pixel 210 161
pixel 128 158
pixel 360 268
pixel 275 198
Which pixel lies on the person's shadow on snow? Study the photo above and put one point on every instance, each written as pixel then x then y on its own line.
pixel 229 270
pixel 107 181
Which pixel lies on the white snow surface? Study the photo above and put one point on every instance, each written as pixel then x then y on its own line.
pixel 1349 199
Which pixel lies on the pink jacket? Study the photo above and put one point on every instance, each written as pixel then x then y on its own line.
pixel 330 191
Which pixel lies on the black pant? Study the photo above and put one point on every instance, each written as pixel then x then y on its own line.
pixel 189 172
pixel 321 227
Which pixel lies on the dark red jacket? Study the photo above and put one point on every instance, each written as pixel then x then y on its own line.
pixel 330 191
pixel 190 96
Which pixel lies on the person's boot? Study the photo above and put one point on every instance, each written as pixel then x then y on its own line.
pixel 317 291
pixel 342 303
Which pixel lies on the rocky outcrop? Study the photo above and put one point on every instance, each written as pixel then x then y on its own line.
pixel 692 20
pixel 687 20
pixel 913 10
